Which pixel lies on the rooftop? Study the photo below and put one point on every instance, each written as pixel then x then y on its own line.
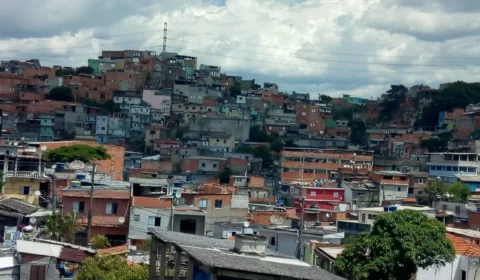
pixel 399 207
pixel 468 178
pixel 465 232
pixel 153 182
pixel 464 247
pixel 218 253
pixel 385 172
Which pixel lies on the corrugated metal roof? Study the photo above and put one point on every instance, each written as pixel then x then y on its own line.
pixel 148 181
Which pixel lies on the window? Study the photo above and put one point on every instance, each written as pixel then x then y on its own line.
pixel 364 218
pixel 154 221
pixel 399 189
pixel 203 164
pixel 313 193
pixel 214 165
pixel 449 168
pixel 455 168
pixel 224 141
pixel 203 203
pixel 457 210
pixel 272 241
pixel 136 218
pixel 26 190
pixel 335 194
pixel 218 204
pixel 38 272
pixel 410 190
pixel 78 206
pixel 304 114
pixel 111 208
pixel 218 140
pixel 444 207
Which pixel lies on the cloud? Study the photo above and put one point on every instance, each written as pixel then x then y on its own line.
pixel 316 46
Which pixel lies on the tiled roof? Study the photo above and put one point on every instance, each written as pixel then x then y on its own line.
pixel 117 250
pixel 151 202
pixel 98 194
pixel 102 221
pixel 464 247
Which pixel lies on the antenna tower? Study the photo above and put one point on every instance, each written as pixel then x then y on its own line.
pixel 164 49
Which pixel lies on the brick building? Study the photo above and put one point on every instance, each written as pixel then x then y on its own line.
pixel 309 117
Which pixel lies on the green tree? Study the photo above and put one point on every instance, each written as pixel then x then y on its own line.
pixel 235 90
pixel 435 189
pixel 224 176
pixel 458 192
pixel 110 267
pixel 108 107
pixel 399 244
pixel 276 145
pixel 259 135
pixel 64 72
pixel 358 132
pixel 396 95
pixel 84 153
pixel 437 143
pixel 475 134
pixel 290 143
pixel 100 242
pixel 61 94
pixel 264 153
pixel 84 70
pixel 60 227
pixel 346 112
pixel 325 98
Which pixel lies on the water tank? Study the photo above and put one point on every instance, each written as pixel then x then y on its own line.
pixel 385 208
pixel 177 184
pixel 81 177
pixel 60 166
pixel 76 184
pixel 393 208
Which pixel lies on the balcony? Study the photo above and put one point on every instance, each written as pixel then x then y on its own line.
pixel 25 174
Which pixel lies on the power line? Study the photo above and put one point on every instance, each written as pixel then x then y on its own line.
pixel 320 52
pixel 326 67
pixel 326 60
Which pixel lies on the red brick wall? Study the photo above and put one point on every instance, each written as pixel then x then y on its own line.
pixel 99 205
pixel 189 165
pixel 474 220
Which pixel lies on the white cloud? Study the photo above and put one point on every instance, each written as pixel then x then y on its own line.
pixel 316 46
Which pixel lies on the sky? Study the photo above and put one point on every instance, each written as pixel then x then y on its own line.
pixel 333 47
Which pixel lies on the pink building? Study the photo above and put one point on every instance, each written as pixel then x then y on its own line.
pixel 157 100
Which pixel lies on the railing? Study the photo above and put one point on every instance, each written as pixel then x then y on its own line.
pixel 24 174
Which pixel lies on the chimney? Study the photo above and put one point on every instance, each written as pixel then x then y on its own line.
pixel 250 244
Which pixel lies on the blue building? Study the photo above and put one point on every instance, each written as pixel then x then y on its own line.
pixel 473 182
pixel 447 166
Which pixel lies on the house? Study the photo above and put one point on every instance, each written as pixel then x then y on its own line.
pixel 393 186
pixel 417 183
pixel 361 194
pixel 15 213
pixel 448 165
pixel 322 254
pixel 244 258
pixel 203 165
pixel 238 127
pixel 284 239
pixel 253 186
pixel 228 230
pixel 458 209
pixel 42 259
pixel 25 185
pixel 262 214
pixel 325 198
pixel 110 209
pixel 464 266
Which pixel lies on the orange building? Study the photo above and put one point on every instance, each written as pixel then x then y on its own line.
pixel 111 167
pixel 313 164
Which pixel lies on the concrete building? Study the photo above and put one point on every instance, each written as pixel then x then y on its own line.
pixel 393 186
pixel 203 165
pixel 361 194
pixel 448 165
pixel 239 128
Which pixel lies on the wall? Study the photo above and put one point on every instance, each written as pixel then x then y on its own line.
pixel 201 222
pixel 451 271
pixel 138 229
pixel 391 193
pixel 239 128
pixel 29 260
pixel 14 185
pixel 157 101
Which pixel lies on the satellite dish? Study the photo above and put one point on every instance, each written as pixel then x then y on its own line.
pixel 471 207
pixel 43 148
pixel 23 138
pixel 15 143
pixel 37 193
pixel 177 195
pixel 33 220
pixel 276 220
pixel 121 220
pixel 246 224
pixel 77 164
pixel 327 215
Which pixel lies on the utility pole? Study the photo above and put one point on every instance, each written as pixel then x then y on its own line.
pixel 171 214
pixel 164 49
pixel 300 232
pixel 89 225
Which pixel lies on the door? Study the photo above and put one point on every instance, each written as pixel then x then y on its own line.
pixel 188 226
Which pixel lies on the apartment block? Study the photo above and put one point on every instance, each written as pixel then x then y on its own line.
pixel 447 165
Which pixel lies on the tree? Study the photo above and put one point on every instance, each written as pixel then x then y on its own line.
pixel 264 153
pixel 224 176
pixel 475 134
pixel 290 143
pixel 60 227
pixel 458 192
pixel 325 98
pixel 110 267
pixel 64 72
pixel 84 70
pixel 61 94
pixel 235 90
pixel 108 107
pixel 84 153
pixel 396 95
pixel 346 113
pixel 435 189
pixel 259 135
pixel 399 244
pixel 276 145
pixel 358 132
pixel 100 242
pixel 437 143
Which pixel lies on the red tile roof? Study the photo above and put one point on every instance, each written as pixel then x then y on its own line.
pixel 151 202
pixel 464 247
pixel 102 221
pixel 117 250
pixel 97 194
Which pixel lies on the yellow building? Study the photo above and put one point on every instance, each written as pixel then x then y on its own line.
pixel 25 185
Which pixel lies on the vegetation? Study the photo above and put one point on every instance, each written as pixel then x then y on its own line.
pixel 257 134
pixel 358 132
pixel 325 98
pixel 289 143
pixel 60 227
pixel 400 243
pixel 264 153
pixel 61 94
pixel 458 192
pixel 99 242
pixel 235 90
pixel 435 189
pixel 225 176
pixel 64 72
pixel 144 245
pixel 475 134
pixel 84 70
pixel 396 95
pixel 276 146
pixel 108 107
pixel 110 267
pixel 84 153
pixel 456 95
pixel 345 113
pixel 437 143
